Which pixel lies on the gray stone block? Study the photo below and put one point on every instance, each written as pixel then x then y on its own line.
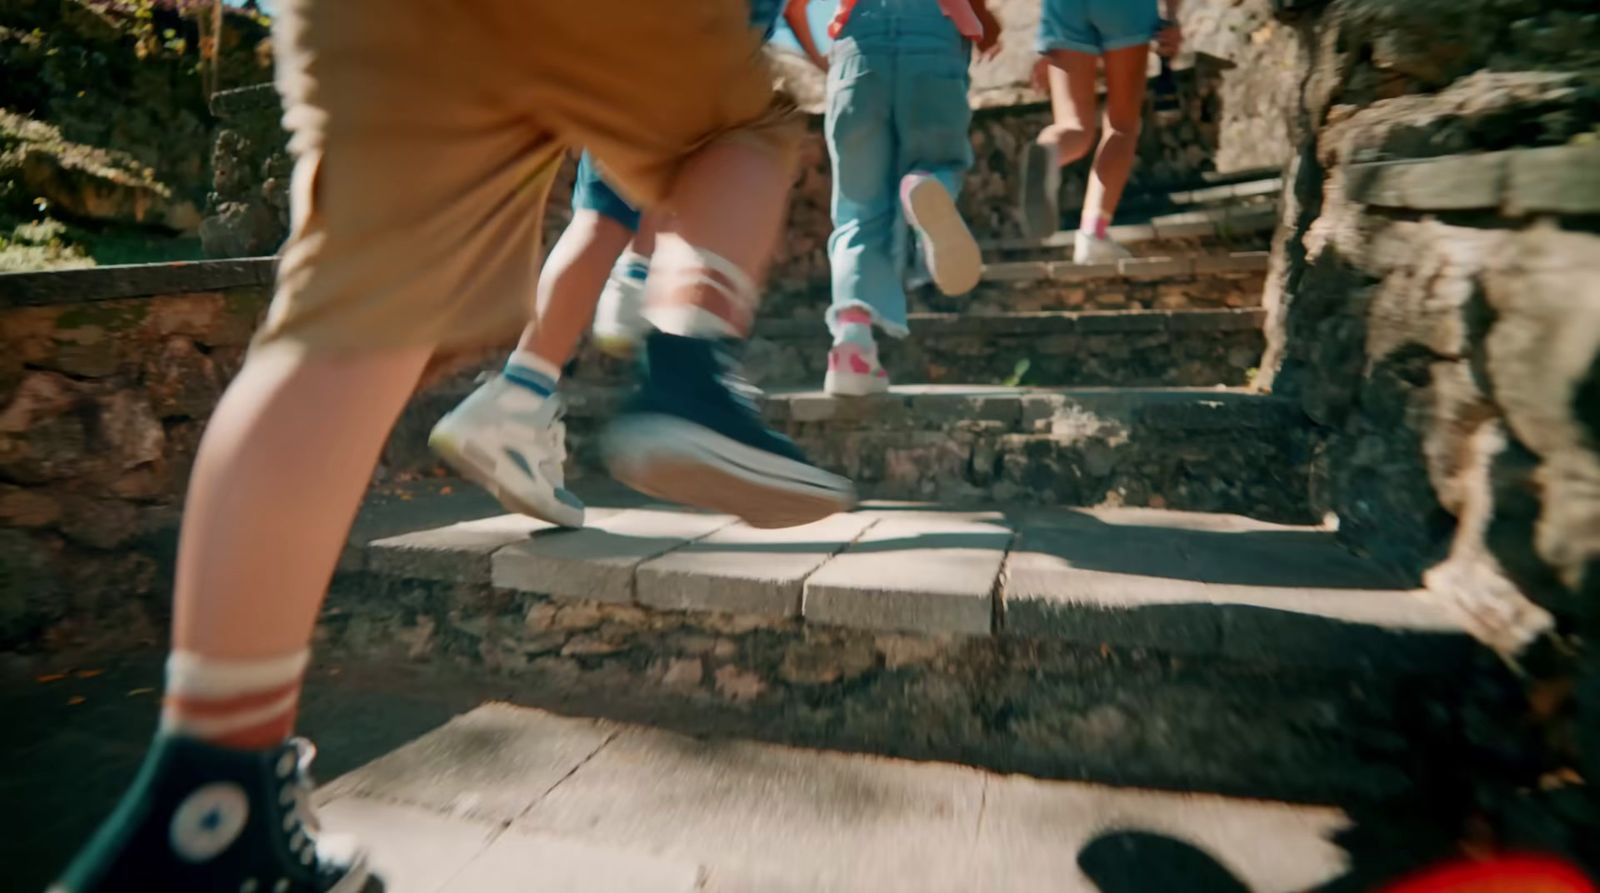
pixel 1449 183
pixel 1554 180
pixel 598 562
pixel 459 553
pixel 742 570
pixel 1155 267
pixel 922 574
pixel 1232 262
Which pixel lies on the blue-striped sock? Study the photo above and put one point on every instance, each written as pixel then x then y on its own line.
pixel 529 370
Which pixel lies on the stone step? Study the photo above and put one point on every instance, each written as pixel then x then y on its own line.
pixel 1180 348
pixel 1241 226
pixel 1130 646
pixel 555 803
pixel 1184 282
pixel 1198 449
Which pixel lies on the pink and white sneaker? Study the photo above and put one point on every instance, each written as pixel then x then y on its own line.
pixel 854 371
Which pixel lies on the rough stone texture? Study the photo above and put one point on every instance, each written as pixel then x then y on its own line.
pixel 743 570
pixel 1016 345
pixel 1433 305
pixel 918 575
pixel 248 204
pixel 99 419
pixel 1201 450
pixel 1049 708
pixel 598 562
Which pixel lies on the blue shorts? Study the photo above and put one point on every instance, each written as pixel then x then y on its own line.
pixel 590 193
pixel 1096 26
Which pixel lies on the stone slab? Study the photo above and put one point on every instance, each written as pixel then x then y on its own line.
pixel 412 849
pixel 132 281
pixel 1448 183
pixel 744 570
pixel 823 821
pixel 1033 831
pixel 1556 179
pixel 520 862
pixel 1155 267
pixel 925 573
pixel 1017 271
pixel 1069 272
pixel 598 562
pixel 491 764
pixel 1216 585
pixel 1232 262
pixel 457 553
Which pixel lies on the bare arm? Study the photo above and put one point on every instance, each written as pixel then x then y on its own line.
pixel 991 27
pixel 794 13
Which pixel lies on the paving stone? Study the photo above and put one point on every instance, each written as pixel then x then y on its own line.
pixel 743 570
pixel 1557 179
pixel 1232 262
pixel 522 862
pixel 1062 271
pixel 412 849
pixel 490 764
pixel 1019 271
pixel 925 574
pixel 598 562
pixel 825 821
pixel 1155 267
pixel 458 553
pixel 1216 584
pixel 1449 183
pixel 1033 831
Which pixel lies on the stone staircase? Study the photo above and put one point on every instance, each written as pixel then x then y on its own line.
pixel 1086 550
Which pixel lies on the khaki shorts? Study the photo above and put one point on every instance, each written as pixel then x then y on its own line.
pixel 426 134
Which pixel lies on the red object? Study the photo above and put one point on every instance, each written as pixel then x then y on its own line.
pixel 1509 874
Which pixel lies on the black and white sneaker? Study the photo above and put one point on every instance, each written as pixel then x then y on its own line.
pixel 202 817
pixel 693 434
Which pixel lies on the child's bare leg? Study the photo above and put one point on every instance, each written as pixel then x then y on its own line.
pixel 1125 88
pixel 276 484
pixel 570 285
pixel 1069 137
pixel 1072 105
pixel 691 434
pixel 702 219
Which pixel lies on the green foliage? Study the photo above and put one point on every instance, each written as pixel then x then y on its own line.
pixel 1018 372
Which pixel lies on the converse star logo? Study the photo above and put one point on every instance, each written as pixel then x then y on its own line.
pixel 209 821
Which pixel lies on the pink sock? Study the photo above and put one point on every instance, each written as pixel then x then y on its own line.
pixel 856 315
pixel 1095 224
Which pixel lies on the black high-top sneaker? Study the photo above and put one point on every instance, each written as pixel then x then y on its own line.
pixel 693 434
pixel 203 817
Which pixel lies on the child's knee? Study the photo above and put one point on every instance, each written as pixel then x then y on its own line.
pixel 1123 126
pixel 1072 143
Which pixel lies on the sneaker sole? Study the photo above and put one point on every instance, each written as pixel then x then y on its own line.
pixel 1041 215
pixel 849 384
pixel 954 259
pixel 678 461
pixel 464 458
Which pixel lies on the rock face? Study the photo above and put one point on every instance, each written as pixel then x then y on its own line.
pixel 101 407
pixel 1435 303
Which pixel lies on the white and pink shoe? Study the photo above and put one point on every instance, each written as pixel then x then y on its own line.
pixel 954 262
pixel 854 370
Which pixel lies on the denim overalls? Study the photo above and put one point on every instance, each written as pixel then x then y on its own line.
pixel 897 103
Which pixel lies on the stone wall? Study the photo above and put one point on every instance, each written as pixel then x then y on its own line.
pixel 1435 304
pixel 107 377
pixel 249 207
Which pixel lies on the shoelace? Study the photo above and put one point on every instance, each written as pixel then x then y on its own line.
pixel 301 821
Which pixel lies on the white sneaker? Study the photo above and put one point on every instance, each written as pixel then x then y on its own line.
pixel 512 442
pixel 854 371
pixel 948 248
pixel 619 322
pixel 1091 249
